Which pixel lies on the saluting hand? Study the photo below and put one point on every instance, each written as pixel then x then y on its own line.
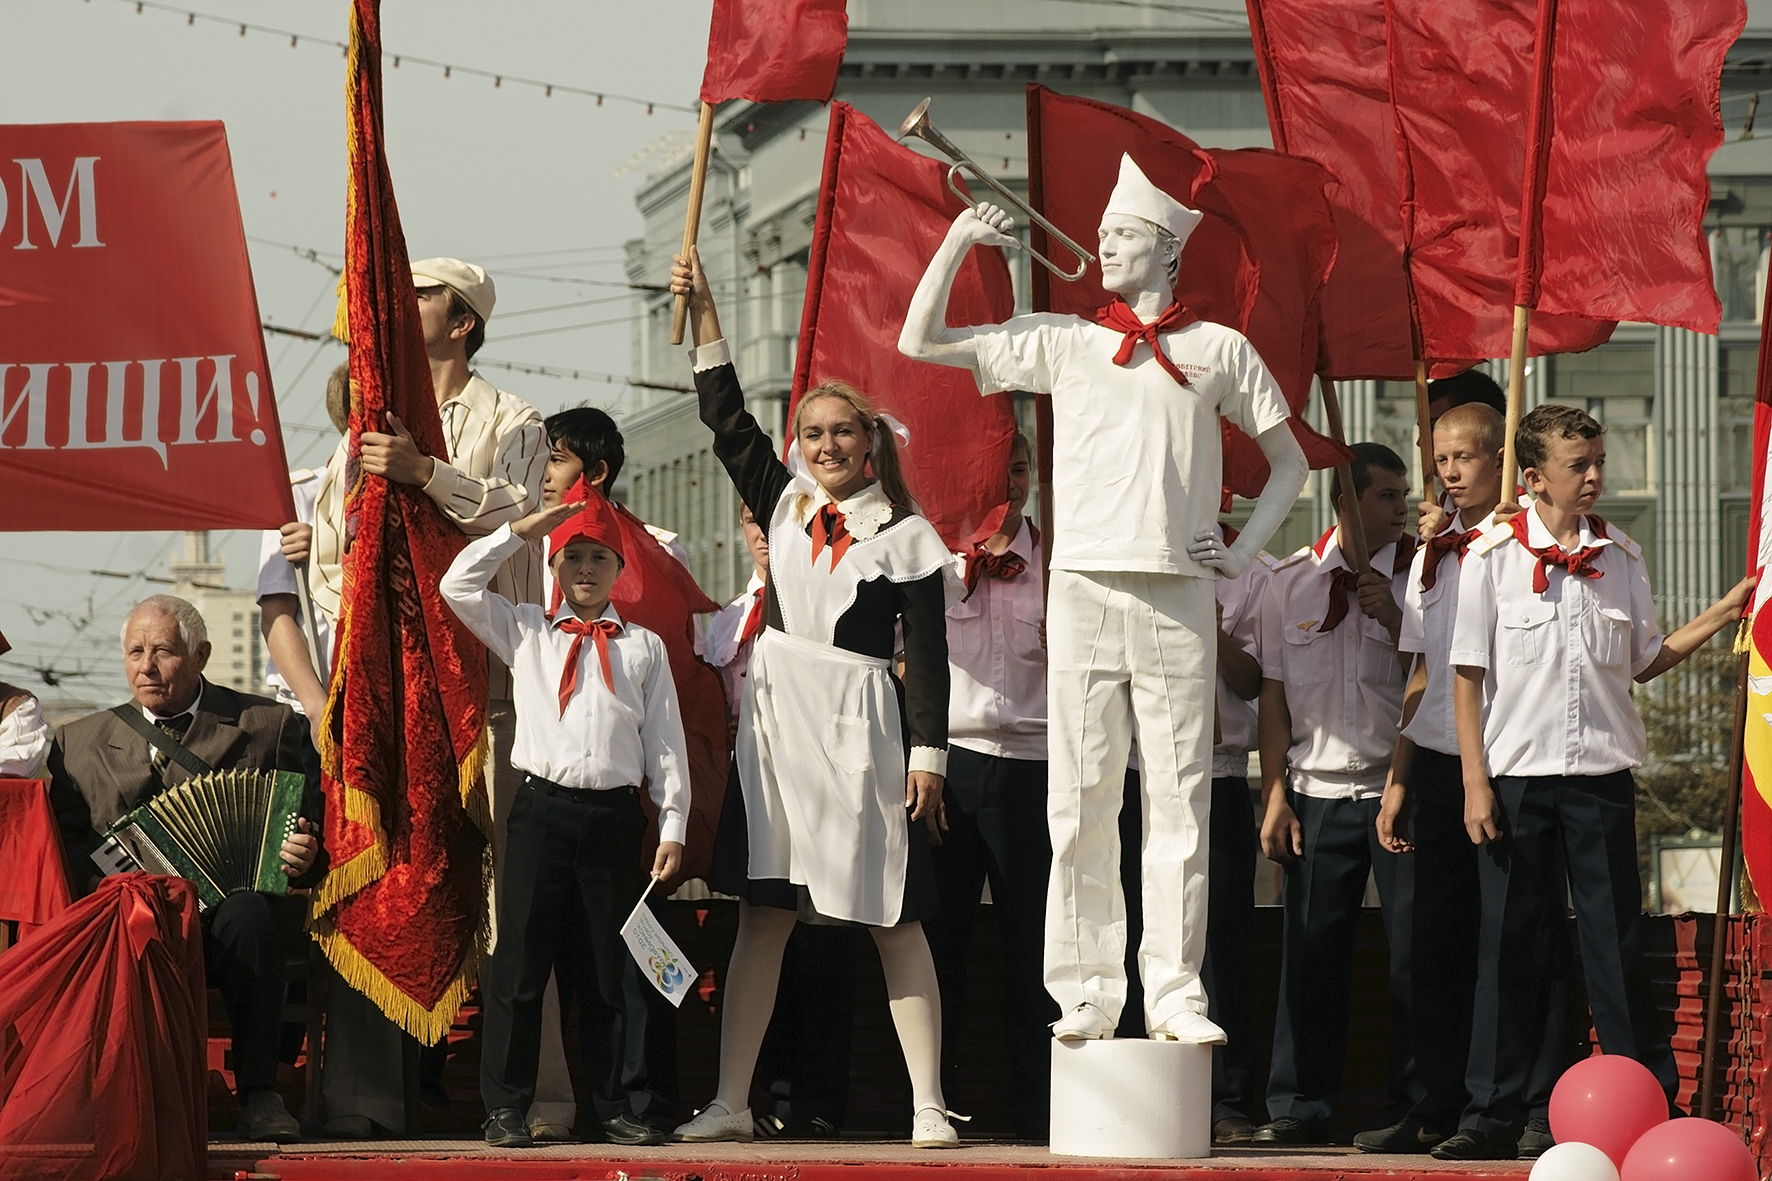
pixel 396 456
pixel 544 521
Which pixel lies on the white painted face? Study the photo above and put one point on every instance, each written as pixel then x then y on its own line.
pixel 1133 257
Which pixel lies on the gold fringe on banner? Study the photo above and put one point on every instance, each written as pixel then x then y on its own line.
pixel 1744 637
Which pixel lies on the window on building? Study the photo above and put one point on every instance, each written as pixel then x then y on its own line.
pixel 1739 224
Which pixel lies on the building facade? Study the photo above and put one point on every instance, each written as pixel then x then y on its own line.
pixel 1677 405
pixel 236 655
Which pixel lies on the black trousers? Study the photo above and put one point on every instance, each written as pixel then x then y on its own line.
pixel 997 832
pixel 649 1068
pixel 1563 837
pixel 1230 922
pixel 244 959
pixel 1323 892
pixel 804 1063
pixel 572 874
pixel 1447 910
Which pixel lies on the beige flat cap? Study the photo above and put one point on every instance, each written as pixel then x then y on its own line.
pixel 464 278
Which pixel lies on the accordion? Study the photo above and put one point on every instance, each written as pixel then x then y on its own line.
pixel 222 832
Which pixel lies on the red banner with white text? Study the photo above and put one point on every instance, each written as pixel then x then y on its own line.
pixel 134 389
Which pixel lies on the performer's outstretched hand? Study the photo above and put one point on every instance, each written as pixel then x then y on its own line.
pixel 984 225
pixel 1209 549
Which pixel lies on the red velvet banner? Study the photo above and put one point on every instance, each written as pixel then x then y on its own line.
pixel 134 390
pixel 882 211
pixel 772 51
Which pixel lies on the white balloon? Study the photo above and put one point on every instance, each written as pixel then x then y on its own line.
pixel 1574 1162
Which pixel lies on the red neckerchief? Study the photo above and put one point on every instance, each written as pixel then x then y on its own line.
pixel 981 562
pixel 1448 541
pixel 1343 581
pixel 828 529
pixel 1121 318
pixel 1579 564
pixel 753 620
pixel 599 630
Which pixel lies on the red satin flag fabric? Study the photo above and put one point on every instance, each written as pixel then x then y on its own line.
pixel 656 592
pixel 402 909
pixel 103 1017
pixel 134 389
pixel 1462 82
pixel 1257 262
pixel 33 878
pixel 882 211
pixel 1327 86
pixel 772 51
pixel 1634 104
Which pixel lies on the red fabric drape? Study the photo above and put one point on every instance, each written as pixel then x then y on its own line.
pixel 656 592
pixel 882 211
pixel 33 878
pixel 103 1016
pixel 402 910
pixel 772 51
pixel 1257 262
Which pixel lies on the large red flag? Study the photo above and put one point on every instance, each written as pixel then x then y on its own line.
pixel 1257 262
pixel 772 51
pixel 1618 164
pixel 401 914
pixel 134 390
pixel 882 211
pixel 1461 78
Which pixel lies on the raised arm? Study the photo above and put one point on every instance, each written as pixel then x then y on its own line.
pixel 926 335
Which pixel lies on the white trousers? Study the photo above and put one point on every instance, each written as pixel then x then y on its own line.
pixel 1129 653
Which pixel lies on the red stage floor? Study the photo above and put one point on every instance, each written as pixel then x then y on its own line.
pixel 849 1160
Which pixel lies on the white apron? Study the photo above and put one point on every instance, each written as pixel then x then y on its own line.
pixel 821 762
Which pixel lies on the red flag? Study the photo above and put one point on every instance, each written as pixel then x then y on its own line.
pixel 1618 163
pixel 1324 77
pixel 882 211
pixel 656 592
pixel 772 51
pixel 401 914
pixel 134 389
pixel 1257 262
pixel 1461 81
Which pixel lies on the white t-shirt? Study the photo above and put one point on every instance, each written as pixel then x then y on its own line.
pixel 277 577
pixel 1138 458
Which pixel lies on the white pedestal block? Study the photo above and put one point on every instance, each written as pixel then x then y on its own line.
pixel 1129 1097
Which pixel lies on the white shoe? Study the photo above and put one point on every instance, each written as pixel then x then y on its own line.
pixel 931 1129
pixel 1083 1023
pixel 1190 1028
pixel 714 1123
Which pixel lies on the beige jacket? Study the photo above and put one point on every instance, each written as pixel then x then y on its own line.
pixel 498 450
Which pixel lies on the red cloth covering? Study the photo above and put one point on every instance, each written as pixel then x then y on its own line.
pixel 1257 262
pixel 33 878
pixel 103 1015
pixel 1461 81
pixel 1615 167
pixel 882 211
pixel 401 914
pixel 773 51
pixel 594 522
pixel 656 592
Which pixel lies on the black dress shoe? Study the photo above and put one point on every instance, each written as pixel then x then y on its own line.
pixel 1232 1129
pixel 1536 1140
pixel 504 1128
pixel 1287 1130
pixel 1471 1144
pixel 1407 1135
pixel 625 1129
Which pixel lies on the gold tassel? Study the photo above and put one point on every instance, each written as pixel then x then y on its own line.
pixel 1744 637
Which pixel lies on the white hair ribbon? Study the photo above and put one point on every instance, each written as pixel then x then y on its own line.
pixel 899 430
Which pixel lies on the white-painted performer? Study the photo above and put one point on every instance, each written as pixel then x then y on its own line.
pixel 1131 627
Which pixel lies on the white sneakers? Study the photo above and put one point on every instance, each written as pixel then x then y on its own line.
pixel 931 1129
pixel 1083 1023
pixel 715 1123
pixel 1191 1028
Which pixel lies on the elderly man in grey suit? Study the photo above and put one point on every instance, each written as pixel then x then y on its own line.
pixel 101 767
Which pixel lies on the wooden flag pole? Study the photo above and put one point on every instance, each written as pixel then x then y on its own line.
pixel 1516 400
pixel 1716 995
pixel 698 180
pixel 1353 530
pixel 1424 432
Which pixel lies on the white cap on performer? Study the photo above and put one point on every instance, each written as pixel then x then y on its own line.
pixel 1135 195
pixel 470 282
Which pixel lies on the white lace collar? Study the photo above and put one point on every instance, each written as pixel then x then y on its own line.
pixel 863 514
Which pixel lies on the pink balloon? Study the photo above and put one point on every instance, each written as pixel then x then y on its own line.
pixel 1608 1101
pixel 1688 1149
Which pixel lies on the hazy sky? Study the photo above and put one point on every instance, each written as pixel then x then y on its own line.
pixel 505 176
